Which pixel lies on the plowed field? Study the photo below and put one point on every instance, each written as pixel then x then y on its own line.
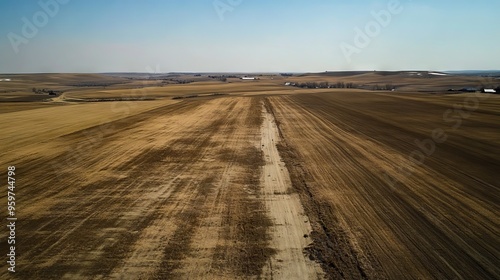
pixel 340 185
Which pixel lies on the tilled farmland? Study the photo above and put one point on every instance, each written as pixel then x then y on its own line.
pixel 378 209
pixel 335 185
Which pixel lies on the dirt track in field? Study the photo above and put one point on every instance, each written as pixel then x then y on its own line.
pixel 255 187
pixel 290 228
pixel 175 192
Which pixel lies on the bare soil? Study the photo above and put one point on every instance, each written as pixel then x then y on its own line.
pixel 375 213
pixel 266 182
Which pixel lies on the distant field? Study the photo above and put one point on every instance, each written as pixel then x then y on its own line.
pixel 263 181
pixel 179 90
pixel 405 81
pixel 95 86
pixel 22 128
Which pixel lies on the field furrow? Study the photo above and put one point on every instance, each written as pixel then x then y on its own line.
pixel 372 220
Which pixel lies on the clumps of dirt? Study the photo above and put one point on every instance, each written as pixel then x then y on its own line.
pixel 331 246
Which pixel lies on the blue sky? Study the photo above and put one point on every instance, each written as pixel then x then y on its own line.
pixel 247 35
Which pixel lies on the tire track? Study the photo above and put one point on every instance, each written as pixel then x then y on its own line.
pixel 290 228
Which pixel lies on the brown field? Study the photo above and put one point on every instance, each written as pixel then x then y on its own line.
pixel 265 181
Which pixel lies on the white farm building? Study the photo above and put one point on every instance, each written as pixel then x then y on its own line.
pixel 489 90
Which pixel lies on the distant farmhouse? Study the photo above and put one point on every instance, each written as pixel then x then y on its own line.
pixel 248 78
pixel 488 90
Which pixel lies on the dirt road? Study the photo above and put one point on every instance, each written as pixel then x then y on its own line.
pixel 290 228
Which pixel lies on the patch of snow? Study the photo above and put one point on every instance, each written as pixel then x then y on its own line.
pixel 438 74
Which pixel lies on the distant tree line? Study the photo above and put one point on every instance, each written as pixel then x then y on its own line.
pixel 384 87
pixel 46 91
pixel 222 78
pixel 176 81
pixel 183 81
pixel 473 89
pixel 340 85
pixel 323 85
pixel 95 84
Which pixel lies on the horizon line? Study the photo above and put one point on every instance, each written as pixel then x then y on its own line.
pixel 250 72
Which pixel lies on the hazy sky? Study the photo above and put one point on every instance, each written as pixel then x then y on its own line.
pixel 248 35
